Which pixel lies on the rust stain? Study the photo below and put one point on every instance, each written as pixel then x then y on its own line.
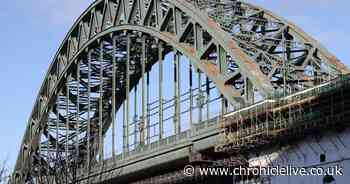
pixel 213 24
pixel 191 50
pixel 226 88
pixel 188 49
pixel 211 69
pixel 229 89
pixel 251 65
pixel 334 60
pixel 232 45
pixel 168 34
pixel 306 78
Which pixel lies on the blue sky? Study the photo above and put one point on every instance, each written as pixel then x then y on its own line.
pixel 31 32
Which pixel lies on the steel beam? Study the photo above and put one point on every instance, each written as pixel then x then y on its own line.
pixel 135 118
pixel 191 95
pixel 67 128
pixel 143 125
pixel 100 116
pixel 207 85
pixel 57 124
pixel 127 90
pixel 200 95
pixel 114 109
pixel 77 130
pixel 177 101
pixel 148 110
pixel 160 82
pixel 88 112
pixel 248 91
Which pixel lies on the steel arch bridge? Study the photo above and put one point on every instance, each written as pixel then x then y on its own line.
pixel 134 75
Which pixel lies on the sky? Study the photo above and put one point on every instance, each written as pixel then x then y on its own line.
pixel 31 32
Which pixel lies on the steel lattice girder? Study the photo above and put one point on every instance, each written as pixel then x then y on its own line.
pixel 230 41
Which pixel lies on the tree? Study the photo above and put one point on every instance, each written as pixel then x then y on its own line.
pixel 3 173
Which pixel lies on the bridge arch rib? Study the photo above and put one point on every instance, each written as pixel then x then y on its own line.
pixel 242 49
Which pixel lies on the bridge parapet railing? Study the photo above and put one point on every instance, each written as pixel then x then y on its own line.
pixel 184 137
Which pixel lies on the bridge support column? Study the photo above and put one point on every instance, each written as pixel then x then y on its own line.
pixel 88 113
pixel 224 105
pixel 125 137
pixel 208 100
pixel 57 127
pixel 191 95
pixel 67 129
pixel 200 97
pixel 135 118
pixel 248 91
pixel 77 128
pixel 177 101
pixel 148 114
pixel 100 133
pixel 160 61
pixel 143 125
pixel 114 110
pixel 127 89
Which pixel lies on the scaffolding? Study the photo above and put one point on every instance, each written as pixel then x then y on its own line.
pixel 280 119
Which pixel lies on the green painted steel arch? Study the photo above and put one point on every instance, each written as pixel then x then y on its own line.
pixel 197 30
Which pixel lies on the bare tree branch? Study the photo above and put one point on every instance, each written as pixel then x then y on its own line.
pixel 3 172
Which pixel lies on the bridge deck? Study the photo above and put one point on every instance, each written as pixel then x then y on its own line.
pixel 171 151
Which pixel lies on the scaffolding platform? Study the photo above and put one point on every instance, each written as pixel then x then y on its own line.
pixel 283 119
